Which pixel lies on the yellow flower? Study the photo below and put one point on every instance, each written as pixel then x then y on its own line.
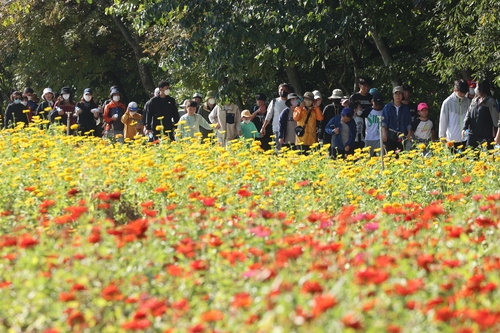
pixel 26 111
pixel 74 126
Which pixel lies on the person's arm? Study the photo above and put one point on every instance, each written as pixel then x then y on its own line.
pixel 203 123
pixel 8 116
pixel 297 113
pixel 385 121
pixel 175 113
pixel 214 116
pixel 125 117
pixel 329 127
pixel 254 128
pixel 282 124
pixel 318 113
pixel 494 112
pixel 443 120
pixel 352 134
pixel 106 116
pixel 269 117
pixel 149 116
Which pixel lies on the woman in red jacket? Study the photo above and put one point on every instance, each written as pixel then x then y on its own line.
pixel 113 113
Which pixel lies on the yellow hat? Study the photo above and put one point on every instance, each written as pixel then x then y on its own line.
pixel 246 113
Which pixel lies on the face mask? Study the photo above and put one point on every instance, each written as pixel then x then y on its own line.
pixel 307 102
pixel 492 92
pixel 471 91
pixel 29 98
pixel 211 101
pixel 24 103
pixel 283 94
pixel 133 112
pixel 87 98
pixel 116 98
pixel 294 102
pixel 17 101
pixel 65 96
pixel 246 121
pixel 166 92
pixel 476 91
pixel 359 112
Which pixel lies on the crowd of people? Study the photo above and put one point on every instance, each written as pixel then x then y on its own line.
pixel 468 117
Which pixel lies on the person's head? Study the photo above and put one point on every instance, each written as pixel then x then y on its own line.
pixel 283 90
pixel 377 101
pixel 132 108
pixel 115 95
pixel 336 96
pixel 484 88
pixel 397 94
pixel 317 97
pixel 164 87
pixel 16 97
pixel 291 100
pixel 245 116
pixel 407 92
pixel 24 100
pixel 472 87
pixel 198 98
pixel 28 92
pixel 364 84
pixel 210 98
pixel 191 107
pixel 355 106
pixel 461 88
pixel 87 95
pixel 260 99
pixel 308 99
pixel 423 110
pixel 344 102
pixel 346 114
pixel 48 94
pixel 65 94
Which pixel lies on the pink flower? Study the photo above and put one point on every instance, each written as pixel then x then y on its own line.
pixel 371 226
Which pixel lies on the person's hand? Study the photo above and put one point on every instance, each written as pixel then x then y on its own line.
pixel 262 109
pixel 347 148
pixel 217 126
pixel 281 141
pixel 240 133
pixel 263 131
pixel 463 133
pixel 60 111
pixel 336 130
pixel 384 137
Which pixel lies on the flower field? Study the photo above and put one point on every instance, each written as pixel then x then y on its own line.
pixel 96 237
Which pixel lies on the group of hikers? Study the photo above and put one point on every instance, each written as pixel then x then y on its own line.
pixel 468 117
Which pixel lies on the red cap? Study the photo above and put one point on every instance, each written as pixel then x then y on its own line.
pixel 472 84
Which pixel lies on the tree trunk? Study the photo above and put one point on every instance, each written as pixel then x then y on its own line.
pixel 355 66
pixel 386 55
pixel 133 41
pixel 293 77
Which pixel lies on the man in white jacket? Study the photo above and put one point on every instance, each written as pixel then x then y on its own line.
pixel 453 111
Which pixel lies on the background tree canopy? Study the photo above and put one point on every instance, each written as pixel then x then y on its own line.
pixel 243 47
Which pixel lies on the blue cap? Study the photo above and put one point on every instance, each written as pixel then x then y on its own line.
pixel 347 112
pixel 87 91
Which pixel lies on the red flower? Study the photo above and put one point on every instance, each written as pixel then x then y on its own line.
pixel 67 297
pixel 212 316
pixel 174 270
pixel 75 318
pixel 141 179
pixel 95 235
pixel 5 284
pixel 208 202
pixel 27 241
pixel 199 265
pixel 73 192
pixel 352 321
pixel 424 260
pixel 112 293
pixel 291 253
pixel 371 275
pixel 244 193
pixel 137 325
pixel 323 303
pixel 311 287
pixel 78 287
pixel 444 314
pixel 241 300
pixel 115 195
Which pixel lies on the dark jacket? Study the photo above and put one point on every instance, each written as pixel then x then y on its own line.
pixel 284 115
pixel 336 122
pixel 15 114
pixel 162 107
pixel 86 119
pixel 481 118
pixel 401 122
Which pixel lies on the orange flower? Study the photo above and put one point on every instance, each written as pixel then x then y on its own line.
pixel 27 241
pixel 212 316
pixel 323 303
pixel 112 293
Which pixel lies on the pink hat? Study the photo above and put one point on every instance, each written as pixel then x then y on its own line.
pixel 422 106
